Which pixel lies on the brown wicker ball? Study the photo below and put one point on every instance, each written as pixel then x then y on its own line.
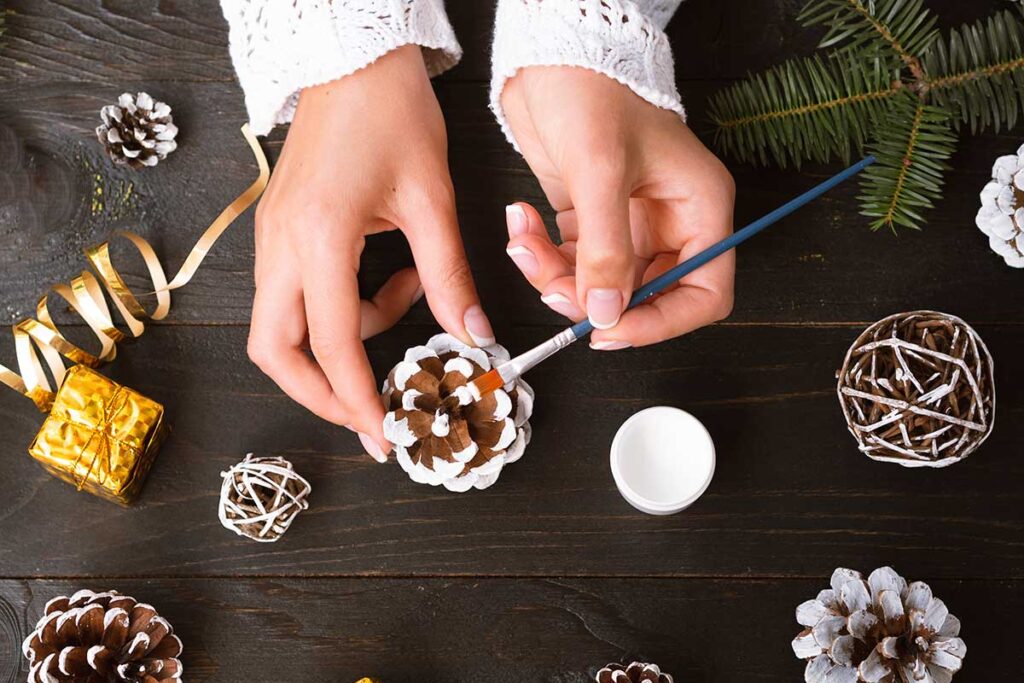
pixel 917 389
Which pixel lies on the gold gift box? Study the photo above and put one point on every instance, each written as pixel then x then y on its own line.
pixel 100 436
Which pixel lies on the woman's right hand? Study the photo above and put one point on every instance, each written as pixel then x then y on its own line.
pixel 365 153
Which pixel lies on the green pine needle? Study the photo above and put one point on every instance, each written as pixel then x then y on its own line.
pixel 891 86
pixel 804 110
pixel 912 145
pixel 978 75
pixel 903 27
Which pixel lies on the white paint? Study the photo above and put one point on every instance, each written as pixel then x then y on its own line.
pixel 440 426
pixel 460 365
pixel 465 394
pixel 409 399
pixel 662 460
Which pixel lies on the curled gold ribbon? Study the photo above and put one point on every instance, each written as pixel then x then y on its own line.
pixel 37 340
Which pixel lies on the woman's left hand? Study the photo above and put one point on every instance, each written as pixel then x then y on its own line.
pixel 635 193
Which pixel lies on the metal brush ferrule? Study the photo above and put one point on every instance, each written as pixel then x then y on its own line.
pixel 515 368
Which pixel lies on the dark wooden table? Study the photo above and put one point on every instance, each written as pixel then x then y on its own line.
pixel 549 573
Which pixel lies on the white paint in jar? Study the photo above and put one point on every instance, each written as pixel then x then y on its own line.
pixel 662 459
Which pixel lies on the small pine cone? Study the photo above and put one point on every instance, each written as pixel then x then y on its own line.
pixel 137 131
pixel 441 435
pixel 102 638
pixel 637 672
pixel 878 630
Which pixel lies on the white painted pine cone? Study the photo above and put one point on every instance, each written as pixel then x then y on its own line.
pixel 440 440
pixel 878 630
pixel 1001 216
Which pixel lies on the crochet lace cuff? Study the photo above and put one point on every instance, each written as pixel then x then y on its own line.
pixel 622 39
pixel 280 47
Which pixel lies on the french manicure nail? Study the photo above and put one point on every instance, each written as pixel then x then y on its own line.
pixel 372 449
pixel 525 259
pixel 609 345
pixel 604 307
pixel 417 295
pixel 478 326
pixel 560 303
pixel 515 217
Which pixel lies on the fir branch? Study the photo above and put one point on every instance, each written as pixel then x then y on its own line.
pixel 913 142
pixel 903 27
pixel 809 109
pixel 979 74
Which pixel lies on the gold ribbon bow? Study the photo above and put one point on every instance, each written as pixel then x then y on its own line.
pixel 108 411
pixel 39 337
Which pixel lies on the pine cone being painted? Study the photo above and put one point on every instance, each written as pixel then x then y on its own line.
pixel 137 131
pixel 440 435
pixel 637 672
pixel 878 631
pixel 102 638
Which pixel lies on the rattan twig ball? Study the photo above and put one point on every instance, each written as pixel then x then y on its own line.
pixel 917 389
pixel 260 498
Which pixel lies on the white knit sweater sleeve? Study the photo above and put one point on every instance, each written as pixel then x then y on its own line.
pixel 280 47
pixel 623 39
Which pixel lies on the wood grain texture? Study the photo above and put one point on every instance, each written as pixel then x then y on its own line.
pixel 503 631
pixel 791 495
pixel 822 264
pixel 549 573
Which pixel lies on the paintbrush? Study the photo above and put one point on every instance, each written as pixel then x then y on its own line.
pixel 511 370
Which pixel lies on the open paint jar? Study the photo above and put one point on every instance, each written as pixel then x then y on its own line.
pixel 662 460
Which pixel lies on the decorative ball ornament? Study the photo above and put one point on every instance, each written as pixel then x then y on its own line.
pixel 138 131
pixel 260 498
pixel 442 436
pixel 917 389
pixel 102 638
pixel 1001 216
pixel 637 672
pixel 879 630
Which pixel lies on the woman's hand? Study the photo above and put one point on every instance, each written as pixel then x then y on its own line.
pixel 635 192
pixel 365 154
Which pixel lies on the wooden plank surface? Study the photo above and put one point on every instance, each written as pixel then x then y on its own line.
pixel 549 573
pixel 505 631
pixel 791 495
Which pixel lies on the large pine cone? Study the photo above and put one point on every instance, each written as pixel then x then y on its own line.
pixel 440 439
pixel 137 131
pixel 878 631
pixel 102 638
pixel 637 672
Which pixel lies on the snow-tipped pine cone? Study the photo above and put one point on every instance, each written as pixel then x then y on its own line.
pixel 102 638
pixel 138 131
pixel 637 672
pixel 440 439
pixel 879 630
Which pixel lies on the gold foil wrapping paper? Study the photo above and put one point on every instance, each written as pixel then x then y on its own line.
pixel 100 436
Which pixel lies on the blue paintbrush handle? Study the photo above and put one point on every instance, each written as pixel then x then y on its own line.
pixel 691 264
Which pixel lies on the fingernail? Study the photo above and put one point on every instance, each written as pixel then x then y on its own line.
pixel 609 345
pixel 372 449
pixel 478 326
pixel 604 307
pixel 525 259
pixel 350 428
pixel 515 217
pixel 560 303
pixel 417 296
